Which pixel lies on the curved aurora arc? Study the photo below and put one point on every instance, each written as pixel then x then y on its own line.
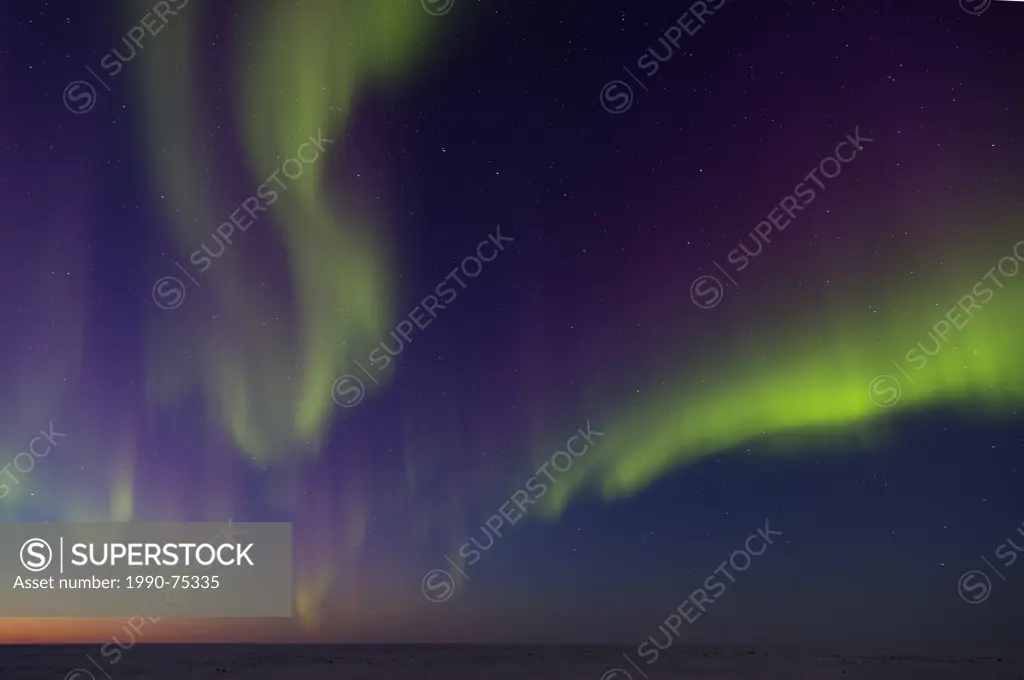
pixel 832 385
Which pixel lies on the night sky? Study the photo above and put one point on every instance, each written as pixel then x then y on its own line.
pixel 454 233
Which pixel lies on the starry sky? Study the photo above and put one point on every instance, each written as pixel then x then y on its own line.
pixel 366 267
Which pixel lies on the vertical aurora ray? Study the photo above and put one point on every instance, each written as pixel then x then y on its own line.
pixel 267 364
pixel 306 290
pixel 308 81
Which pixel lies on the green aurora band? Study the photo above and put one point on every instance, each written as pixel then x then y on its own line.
pixel 825 381
pixel 266 372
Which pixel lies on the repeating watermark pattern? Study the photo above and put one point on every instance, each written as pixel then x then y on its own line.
pixel 694 606
pixel 80 95
pixel 169 291
pixel 114 649
pixel 975 585
pixel 437 8
pixel 617 95
pixel 25 462
pixel 707 290
pixel 885 390
pixel 348 390
pixel 438 585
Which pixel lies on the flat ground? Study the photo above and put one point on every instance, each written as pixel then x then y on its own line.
pixel 427 662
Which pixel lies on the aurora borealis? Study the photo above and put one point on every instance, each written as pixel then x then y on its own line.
pixel 298 176
pixel 336 261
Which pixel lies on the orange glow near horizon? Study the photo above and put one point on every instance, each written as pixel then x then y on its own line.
pixel 86 631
